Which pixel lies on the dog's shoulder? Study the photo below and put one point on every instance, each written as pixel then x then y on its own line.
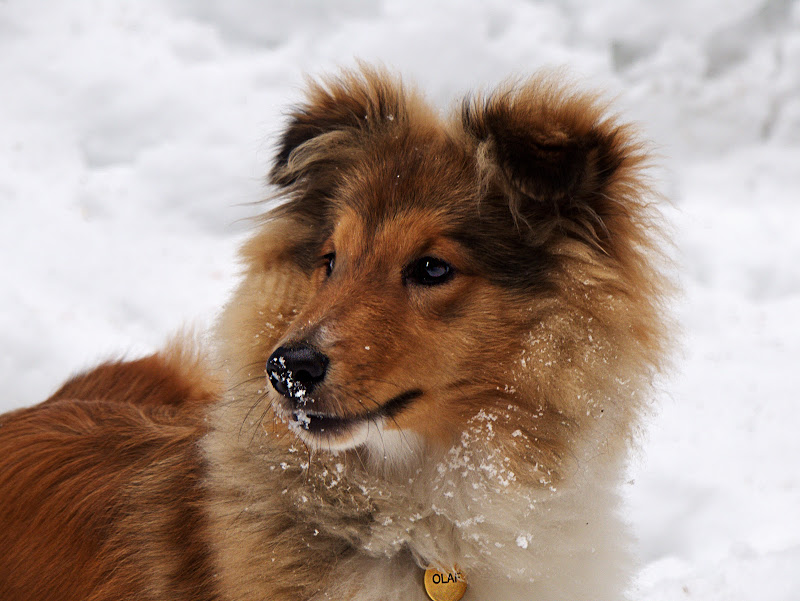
pixel 177 376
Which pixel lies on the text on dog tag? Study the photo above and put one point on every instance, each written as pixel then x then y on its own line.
pixel 445 586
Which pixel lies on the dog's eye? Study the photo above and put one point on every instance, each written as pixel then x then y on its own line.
pixel 330 261
pixel 429 271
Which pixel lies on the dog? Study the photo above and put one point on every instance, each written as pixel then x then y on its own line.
pixel 433 370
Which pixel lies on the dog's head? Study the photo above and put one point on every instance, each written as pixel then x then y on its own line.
pixel 422 269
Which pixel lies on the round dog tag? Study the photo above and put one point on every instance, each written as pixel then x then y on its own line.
pixel 445 586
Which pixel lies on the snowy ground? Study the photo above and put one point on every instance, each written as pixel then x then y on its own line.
pixel 133 133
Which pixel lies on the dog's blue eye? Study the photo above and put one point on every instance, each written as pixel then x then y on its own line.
pixel 330 261
pixel 429 271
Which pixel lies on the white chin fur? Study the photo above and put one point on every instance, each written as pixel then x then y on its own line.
pixel 385 445
pixel 356 435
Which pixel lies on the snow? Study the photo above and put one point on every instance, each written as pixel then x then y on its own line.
pixel 135 135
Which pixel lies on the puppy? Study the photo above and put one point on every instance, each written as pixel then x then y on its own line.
pixel 437 359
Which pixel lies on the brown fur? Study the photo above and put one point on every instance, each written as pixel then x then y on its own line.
pixel 100 484
pixel 527 374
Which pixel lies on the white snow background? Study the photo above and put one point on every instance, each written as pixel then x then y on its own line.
pixel 133 133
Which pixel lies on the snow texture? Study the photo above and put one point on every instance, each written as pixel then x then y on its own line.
pixel 136 132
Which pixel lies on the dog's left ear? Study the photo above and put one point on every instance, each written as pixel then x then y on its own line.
pixel 556 157
pixel 336 110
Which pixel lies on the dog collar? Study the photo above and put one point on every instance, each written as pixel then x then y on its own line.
pixel 445 586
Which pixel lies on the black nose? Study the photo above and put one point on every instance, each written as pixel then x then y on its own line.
pixel 294 370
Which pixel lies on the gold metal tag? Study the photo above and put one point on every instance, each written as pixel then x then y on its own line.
pixel 445 586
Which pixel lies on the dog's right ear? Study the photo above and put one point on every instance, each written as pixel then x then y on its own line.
pixel 559 160
pixel 335 112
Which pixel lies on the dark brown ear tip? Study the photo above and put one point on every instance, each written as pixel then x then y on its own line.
pixel 543 139
pixel 355 100
pixel 294 135
pixel 542 171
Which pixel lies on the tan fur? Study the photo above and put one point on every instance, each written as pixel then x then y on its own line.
pixel 530 369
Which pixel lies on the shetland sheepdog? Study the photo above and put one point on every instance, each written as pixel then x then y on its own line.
pixel 440 352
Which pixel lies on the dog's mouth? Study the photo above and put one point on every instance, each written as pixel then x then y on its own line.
pixel 319 426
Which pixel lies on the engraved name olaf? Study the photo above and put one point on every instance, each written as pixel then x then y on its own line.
pixel 444 578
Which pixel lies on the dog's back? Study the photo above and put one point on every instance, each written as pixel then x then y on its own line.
pixel 100 484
